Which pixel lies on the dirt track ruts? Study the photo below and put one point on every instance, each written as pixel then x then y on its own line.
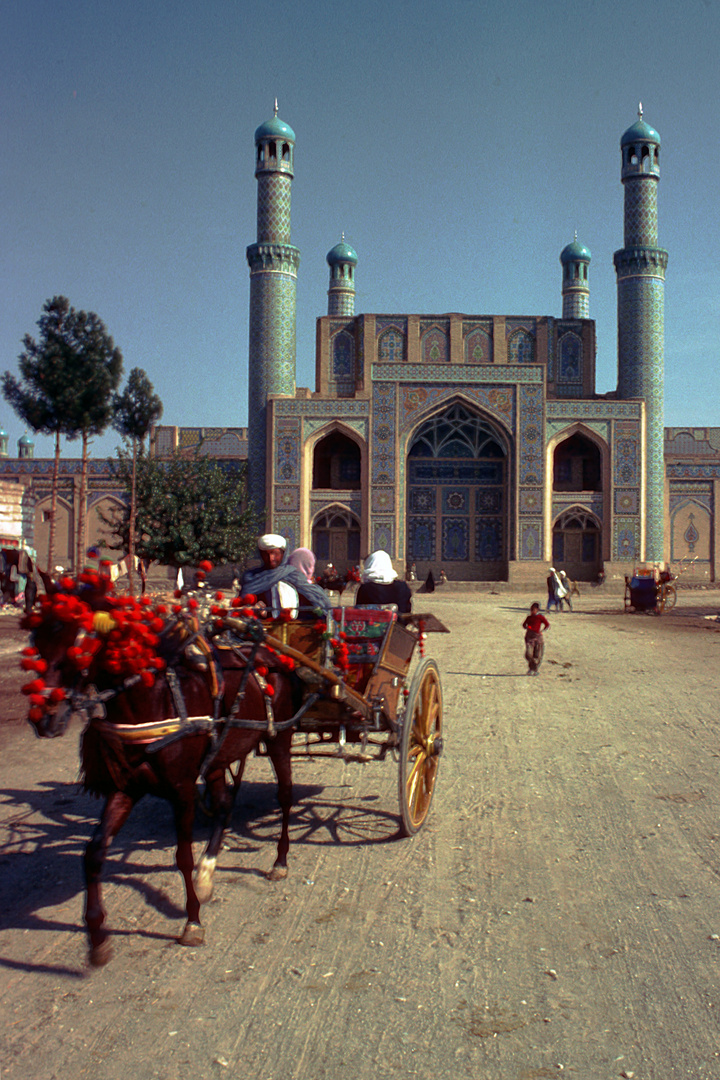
pixel 559 913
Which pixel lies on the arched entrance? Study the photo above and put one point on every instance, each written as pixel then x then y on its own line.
pixel 457 497
pixel 576 544
pixel 336 539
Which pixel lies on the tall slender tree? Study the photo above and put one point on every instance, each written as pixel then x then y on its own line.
pixel 134 413
pixel 92 367
pixel 41 396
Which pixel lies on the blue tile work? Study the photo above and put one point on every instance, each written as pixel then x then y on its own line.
pixel 702 493
pixel 273 279
pixel 382 500
pixel 274 195
pixel 627 539
pixel 327 409
pixel 689 471
pixel 287 450
pixel 627 501
pixel 455 500
pixel 477 344
pixel 421 538
pixel 421 500
pixel 383 536
pixel 591 410
pixel 640 268
pixel 287 498
pixel 530 540
pixel 435 342
pixel 288 525
pixel 415 400
pixel 571 355
pixel 489 540
pixel 384 429
pixel 627 461
pixel 530 501
pixel 521 347
pixel 459 375
pixel 455 539
pixel 531 464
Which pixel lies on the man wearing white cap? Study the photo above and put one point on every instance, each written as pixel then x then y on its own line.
pixel 280 585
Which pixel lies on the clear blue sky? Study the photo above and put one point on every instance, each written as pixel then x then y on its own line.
pixel 458 144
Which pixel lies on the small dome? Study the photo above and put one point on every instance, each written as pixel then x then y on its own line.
pixel 25 440
pixel 341 253
pixel 574 252
pixel 274 129
pixel 640 132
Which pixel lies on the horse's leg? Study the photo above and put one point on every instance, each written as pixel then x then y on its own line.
pixel 184 810
pixel 222 800
pixel 115 814
pixel 279 753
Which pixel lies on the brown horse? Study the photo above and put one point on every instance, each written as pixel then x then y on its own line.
pixel 155 731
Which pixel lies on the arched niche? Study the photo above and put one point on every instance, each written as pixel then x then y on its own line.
pixel 577 544
pixel 577 464
pixel 337 463
pixel 456 495
pixel 336 538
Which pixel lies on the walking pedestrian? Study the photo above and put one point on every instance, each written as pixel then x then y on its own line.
pixel 553 583
pixel 566 584
pixel 534 626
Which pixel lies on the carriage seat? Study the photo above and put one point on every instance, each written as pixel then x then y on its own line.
pixel 365 629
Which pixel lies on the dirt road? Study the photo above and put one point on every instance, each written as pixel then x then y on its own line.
pixel 558 915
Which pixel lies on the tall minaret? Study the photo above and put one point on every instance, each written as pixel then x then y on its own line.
pixel 273 280
pixel 640 268
pixel 575 259
pixel 342 261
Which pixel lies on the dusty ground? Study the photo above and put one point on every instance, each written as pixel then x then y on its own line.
pixel 559 913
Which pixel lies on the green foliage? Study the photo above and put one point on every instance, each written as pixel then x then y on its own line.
pixel 188 509
pixel 137 408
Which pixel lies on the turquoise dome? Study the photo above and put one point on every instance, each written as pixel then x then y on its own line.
pixel 575 251
pixel 275 129
pixel 640 132
pixel 25 440
pixel 342 253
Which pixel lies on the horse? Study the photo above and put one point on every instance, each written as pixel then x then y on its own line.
pixel 156 720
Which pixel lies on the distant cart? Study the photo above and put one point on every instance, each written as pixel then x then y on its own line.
pixel 650 590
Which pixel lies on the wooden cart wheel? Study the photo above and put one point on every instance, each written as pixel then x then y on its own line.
pixel 670 598
pixel 420 747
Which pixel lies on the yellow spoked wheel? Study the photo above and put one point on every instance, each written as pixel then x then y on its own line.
pixel 421 746
pixel 670 598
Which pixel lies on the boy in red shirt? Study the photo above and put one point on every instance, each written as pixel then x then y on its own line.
pixel 533 626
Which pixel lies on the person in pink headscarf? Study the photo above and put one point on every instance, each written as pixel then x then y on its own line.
pixel 304 560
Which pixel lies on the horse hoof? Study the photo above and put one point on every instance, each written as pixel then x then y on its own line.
pixel 99 955
pixel 204 880
pixel 278 873
pixel 192 935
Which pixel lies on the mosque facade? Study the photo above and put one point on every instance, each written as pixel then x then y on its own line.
pixel 467 442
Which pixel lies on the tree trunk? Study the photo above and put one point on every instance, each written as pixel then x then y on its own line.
pixel 131 530
pixel 53 507
pixel 81 525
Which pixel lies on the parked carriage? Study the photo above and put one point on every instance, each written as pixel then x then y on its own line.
pixel 650 590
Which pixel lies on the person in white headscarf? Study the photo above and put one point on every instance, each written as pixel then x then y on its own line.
pixel 381 585
pixel 277 584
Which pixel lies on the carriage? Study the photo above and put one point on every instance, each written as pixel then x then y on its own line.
pixel 650 590
pixel 176 696
pixel 362 691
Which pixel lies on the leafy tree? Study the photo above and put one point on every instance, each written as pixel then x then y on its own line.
pixel 40 397
pixel 134 413
pixel 93 367
pixel 68 379
pixel 188 509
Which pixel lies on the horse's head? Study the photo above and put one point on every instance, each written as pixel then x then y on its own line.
pixel 56 660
